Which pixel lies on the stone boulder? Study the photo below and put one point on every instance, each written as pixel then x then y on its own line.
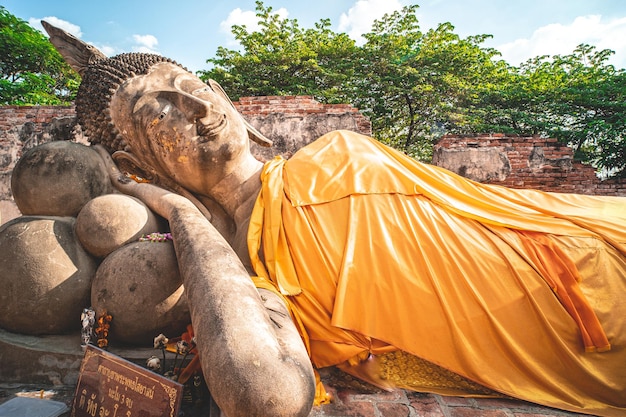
pixel 139 285
pixel 58 179
pixel 110 221
pixel 45 276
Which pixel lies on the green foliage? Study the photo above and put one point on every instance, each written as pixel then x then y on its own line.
pixel 415 86
pixel 413 82
pixel 284 59
pixel 577 98
pixel 31 70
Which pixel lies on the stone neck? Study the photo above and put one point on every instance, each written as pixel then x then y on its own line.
pixel 237 191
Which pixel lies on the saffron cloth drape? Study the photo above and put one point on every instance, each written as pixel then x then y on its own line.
pixel 521 291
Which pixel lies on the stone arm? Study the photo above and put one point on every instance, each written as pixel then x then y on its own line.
pixel 252 357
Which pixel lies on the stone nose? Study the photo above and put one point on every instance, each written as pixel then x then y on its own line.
pixel 197 108
pixel 193 107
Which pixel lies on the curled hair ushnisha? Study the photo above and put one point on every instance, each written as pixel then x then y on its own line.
pixel 99 82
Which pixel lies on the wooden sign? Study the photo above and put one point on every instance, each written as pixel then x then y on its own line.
pixel 110 386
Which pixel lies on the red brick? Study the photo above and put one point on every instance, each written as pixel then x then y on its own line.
pixel 338 409
pixel 457 401
pixel 395 395
pixel 475 412
pixel 393 409
pixel 425 405
pixel 500 403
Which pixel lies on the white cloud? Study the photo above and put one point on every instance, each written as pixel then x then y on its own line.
pixel 559 39
pixel 55 21
pixel 247 18
pixel 145 43
pixel 107 50
pixel 361 16
pixel 240 17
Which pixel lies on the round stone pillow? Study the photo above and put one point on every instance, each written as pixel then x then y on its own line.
pixel 110 221
pixel 45 276
pixel 140 287
pixel 58 178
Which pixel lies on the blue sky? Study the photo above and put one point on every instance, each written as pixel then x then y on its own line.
pixel 190 31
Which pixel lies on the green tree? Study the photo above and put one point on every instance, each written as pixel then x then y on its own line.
pixel 415 86
pixel 578 98
pixel 284 59
pixel 407 82
pixel 31 70
pixel 412 83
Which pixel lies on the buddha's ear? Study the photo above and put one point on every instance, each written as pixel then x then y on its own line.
pixel 128 163
pixel 253 134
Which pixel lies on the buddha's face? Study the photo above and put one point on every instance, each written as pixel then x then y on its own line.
pixel 180 127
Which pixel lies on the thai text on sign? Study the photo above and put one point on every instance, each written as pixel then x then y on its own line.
pixel 110 386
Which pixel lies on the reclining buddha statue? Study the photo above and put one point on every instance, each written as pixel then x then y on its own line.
pixel 351 254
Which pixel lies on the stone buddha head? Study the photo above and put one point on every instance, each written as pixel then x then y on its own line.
pixel 158 120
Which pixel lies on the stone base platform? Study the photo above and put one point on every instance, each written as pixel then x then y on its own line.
pixel 48 367
pixel 50 360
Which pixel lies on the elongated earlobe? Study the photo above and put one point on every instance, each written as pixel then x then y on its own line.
pixel 128 163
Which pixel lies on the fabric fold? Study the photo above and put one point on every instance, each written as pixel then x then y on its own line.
pixel 516 290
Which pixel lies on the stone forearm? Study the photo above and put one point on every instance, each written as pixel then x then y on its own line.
pixel 254 365
pixel 250 368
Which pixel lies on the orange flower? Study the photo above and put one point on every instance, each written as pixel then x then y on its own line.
pixel 102 331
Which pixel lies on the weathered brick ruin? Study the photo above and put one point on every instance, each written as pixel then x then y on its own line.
pixel 293 121
pixel 522 162
pixel 22 128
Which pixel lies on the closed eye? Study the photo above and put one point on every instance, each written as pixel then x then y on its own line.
pixel 164 112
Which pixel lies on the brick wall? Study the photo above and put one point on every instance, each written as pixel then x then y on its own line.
pixel 522 162
pixel 300 105
pixel 294 121
pixel 21 128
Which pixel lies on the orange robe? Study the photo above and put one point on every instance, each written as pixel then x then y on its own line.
pixel 521 291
